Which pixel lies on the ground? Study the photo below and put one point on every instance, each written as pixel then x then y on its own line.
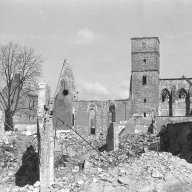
pixel 136 167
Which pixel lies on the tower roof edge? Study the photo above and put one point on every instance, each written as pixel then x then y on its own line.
pixel 136 38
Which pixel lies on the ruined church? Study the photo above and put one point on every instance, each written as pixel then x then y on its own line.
pixel 149 95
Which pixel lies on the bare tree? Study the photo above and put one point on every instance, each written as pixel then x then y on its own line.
pixel 20 69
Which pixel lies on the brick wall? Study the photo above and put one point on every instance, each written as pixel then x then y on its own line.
pixel 145 44
pixel 150 92
pixel 82 117
pixel 151 62
pixel 80 112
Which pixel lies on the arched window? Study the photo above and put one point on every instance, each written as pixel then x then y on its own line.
pixel 182 93
pixel 92 119
pixel 165 95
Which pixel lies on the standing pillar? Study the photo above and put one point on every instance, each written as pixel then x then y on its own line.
pixel 46 140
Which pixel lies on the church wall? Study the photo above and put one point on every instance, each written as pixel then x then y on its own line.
pixel 83 121
pixel 179 105
pixel 82 116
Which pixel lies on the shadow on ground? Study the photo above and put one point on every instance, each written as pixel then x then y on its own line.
pixel 28 173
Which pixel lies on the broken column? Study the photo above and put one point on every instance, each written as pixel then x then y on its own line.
pixel 46 140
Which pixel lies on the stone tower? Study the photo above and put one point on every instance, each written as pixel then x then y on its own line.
pixel 145 75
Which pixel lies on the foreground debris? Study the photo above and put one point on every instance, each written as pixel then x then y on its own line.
pixel 134 168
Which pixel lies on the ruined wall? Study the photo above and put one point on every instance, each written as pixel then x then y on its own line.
pixel 139 124
pixel 82 114
pixel 62 111
pixel 179 106
pixel 160 121
pixel 177 139
pixel 123 109
pixel 82 117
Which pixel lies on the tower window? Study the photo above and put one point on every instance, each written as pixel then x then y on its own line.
pixel 144 60
pixel 144 114
pixel 144 80
pixel 145 100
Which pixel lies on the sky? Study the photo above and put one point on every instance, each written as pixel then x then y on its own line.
pixel 95 37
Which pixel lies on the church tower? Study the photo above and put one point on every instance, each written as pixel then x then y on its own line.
pixel 145 59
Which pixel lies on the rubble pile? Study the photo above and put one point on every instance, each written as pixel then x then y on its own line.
pixel 134 167
pixel 139 143
pixel 152 171
pixel 12 147
pixel 72 145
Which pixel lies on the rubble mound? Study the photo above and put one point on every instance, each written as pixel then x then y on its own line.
pixel 151 171
pixel 135 167
pixel 139 143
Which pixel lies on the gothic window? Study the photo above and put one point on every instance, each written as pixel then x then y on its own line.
pixel 144 60
pixel 144 80
pixel 144 114
pixel 165 95
pixel 145 100
pixel 182 94
pixel 92 120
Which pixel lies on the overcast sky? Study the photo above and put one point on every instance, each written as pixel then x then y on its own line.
pixel 94 35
